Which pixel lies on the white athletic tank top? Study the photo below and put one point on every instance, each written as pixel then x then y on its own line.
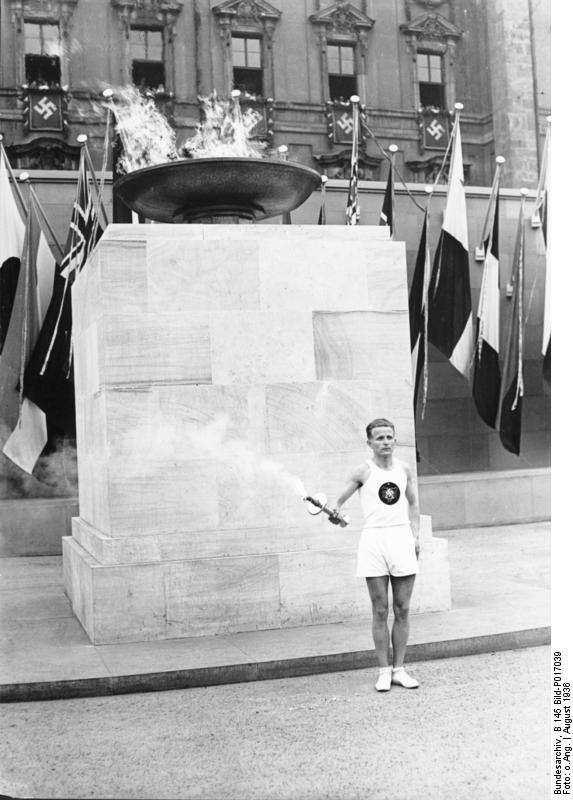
pixel 383 497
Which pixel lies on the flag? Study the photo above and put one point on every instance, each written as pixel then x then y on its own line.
pixel 487 375
pixel 387 210
pixel 417 303
pixel 546 341
pixel 352 207
pixel 12 229
pixel 481 249
pixel 511 393
pixel 24 429
pixel 48 379
pixel 85 228
pixel 449 299
pixel 542 207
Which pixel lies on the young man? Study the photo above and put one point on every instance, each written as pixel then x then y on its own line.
pixel 389 545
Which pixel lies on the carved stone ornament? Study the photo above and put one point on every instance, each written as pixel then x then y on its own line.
pixel 430 3
pixel 52 11
pixel 337 165
pixel 426 170
pixel 247 15
pixel 44 152
pixel 342 19
pixel 148 12
pixel 432 27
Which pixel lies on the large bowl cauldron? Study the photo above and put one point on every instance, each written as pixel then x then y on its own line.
pixel 217 189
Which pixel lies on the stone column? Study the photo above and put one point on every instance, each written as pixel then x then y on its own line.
pixel 512 90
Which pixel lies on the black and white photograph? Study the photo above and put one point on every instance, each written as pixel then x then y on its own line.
pixel 277 519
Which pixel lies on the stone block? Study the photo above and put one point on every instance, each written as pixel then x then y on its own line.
pixel 318 586
pixel 266 347
pixel 357 345
pixel 238 374
pixel 212 596
pixel 155 346
pixel 316 416
pixel 185 274
pixel 432 586
pixel 485 505
pixel 312 275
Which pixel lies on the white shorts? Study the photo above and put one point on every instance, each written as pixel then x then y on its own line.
pixel 387 551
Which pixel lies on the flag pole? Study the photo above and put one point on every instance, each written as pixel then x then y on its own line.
pixel 398 173
pixel 25 178
pixel 387 214
pixel 426 284
pixel 83 140
pixel 486 236
pixel 107 93
pixel 352 208
pixel 458 108
pixel 519 388
pixel 540 196
pixel 323 182
pixel 489 214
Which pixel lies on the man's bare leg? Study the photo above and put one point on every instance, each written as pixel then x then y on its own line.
pixel 378 590
pixel 401 594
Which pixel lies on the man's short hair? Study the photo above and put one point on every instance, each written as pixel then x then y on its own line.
pixel 379 423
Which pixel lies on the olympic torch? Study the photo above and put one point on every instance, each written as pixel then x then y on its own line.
pixel 317 504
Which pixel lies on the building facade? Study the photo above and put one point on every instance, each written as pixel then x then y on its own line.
pixel 299 61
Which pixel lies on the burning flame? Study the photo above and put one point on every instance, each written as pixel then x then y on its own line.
pixel 226 130
pixel 148 139
pixel 146 136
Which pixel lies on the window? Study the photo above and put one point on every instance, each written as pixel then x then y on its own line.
pixel 431 80
pixel 341 71
pixel 42 60
pixel 247 64
pixel 147 66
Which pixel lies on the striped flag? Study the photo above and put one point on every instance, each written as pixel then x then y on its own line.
pixel 449 298
pixel 511 393
pixel 48 379
pixel 387 210
pixel 12 229
pixel 487 375
pixel 352 207
pixel 417 303
pixel 24 430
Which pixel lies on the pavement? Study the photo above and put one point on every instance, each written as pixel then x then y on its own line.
pixel 500 581
pixel 476 728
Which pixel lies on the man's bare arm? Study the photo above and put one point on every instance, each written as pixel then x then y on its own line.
pixel 354 482
pixel 414 508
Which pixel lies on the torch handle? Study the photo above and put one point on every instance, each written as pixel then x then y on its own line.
pixel 342 521
pixel 336 520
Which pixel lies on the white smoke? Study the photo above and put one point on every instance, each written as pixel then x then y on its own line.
pixel 172 440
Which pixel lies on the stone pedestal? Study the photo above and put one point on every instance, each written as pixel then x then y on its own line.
pixel 218 368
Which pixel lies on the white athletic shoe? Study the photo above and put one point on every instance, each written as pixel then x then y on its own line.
pixel 401 677
pixel 384 679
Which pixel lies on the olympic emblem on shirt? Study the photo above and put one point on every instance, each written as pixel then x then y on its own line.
pixel 389 493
